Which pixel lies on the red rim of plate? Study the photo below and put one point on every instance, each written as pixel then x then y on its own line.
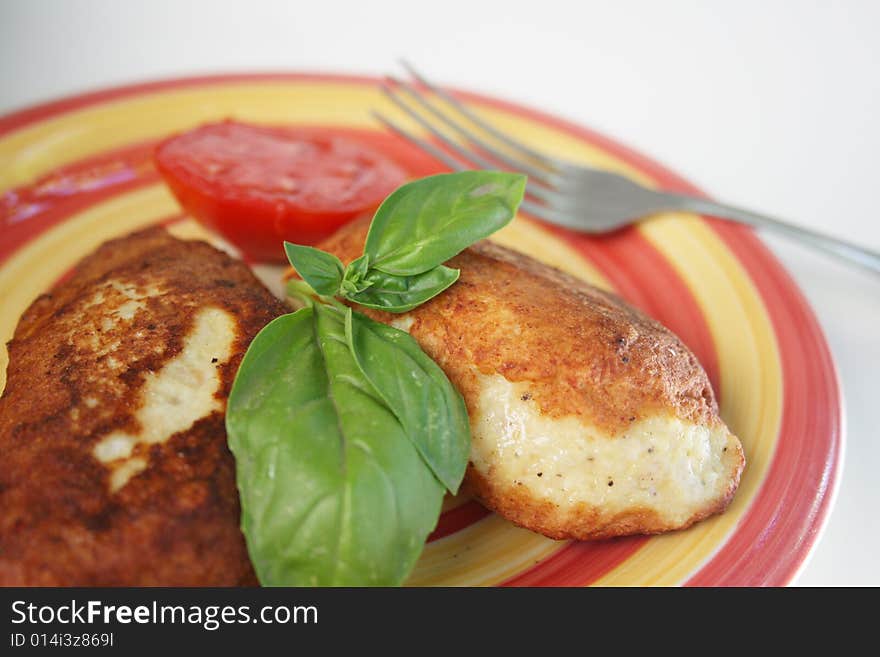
pixel 774 537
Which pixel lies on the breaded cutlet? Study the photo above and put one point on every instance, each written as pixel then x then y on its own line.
pixel 589 419
pixel 114 468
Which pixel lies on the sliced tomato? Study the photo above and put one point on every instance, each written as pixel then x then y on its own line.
pixel 258 185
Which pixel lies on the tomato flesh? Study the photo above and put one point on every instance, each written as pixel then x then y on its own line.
pixel 258 186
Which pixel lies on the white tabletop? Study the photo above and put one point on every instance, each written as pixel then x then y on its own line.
pixel 770 104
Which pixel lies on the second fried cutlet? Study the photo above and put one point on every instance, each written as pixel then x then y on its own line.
pixel 114 468
pixel 589 419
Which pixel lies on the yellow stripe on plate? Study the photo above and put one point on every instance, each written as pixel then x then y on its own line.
pixel 485 553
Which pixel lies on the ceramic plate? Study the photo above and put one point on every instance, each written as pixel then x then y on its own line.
pixel 77 172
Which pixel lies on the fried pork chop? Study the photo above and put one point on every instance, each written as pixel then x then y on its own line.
pixel 114 468
pixel 589 419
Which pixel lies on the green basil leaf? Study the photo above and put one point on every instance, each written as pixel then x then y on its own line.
pixel 357 269
pixel 323 271
pixel 424 223
pixel 431 410
pixel 333 492
pixel 398 294
pixel 353 278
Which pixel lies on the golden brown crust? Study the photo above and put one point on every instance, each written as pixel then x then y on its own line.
pixel 73 378
pixel 511 315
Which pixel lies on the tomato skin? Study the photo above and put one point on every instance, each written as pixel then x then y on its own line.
pixel 258 186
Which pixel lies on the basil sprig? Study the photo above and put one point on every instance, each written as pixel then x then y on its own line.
pixel 416 229
pixel 345 433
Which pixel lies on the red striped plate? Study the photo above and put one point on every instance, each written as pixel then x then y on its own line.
pixel 77 172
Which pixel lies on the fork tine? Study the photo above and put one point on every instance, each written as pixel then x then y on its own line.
pixel 446 141
pixel 485 125
pixel 440 154
pixel 535 209
pixel 549 178
pixel 463 153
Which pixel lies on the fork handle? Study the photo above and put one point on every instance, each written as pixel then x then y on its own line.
pixel 844 250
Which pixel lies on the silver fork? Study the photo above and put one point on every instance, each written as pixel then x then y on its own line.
pixel 571 195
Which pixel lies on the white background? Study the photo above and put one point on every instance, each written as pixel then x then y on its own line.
pixel 773 105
